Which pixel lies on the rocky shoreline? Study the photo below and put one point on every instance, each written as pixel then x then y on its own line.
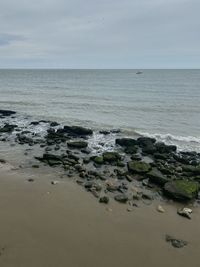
pixel 136 169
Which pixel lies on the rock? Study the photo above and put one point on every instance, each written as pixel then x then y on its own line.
pixel 111 156
pixel 77 144
pixel 54 123
pixel 34 123
pixel 162 148
pixel 6 113
pixel 54 182
pixel 76 131
pixel 185 212
pixel 104 132
pixel 157 177
pixel 160 209
pixel 112 187
pixel 131 150
pixel 35 166
pixel 126 142
pixel 138 167
pixel 123 198
pixel 7 128
pixel 181 189
pixel 30 180
pixel 177 243
pixel 146 141
pixel 104 200
pixel 98 160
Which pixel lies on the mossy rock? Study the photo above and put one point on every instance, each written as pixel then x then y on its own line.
pixel 138 167
pixel 182 190
pixel 111 156
pixel 77 144
pixel 98 160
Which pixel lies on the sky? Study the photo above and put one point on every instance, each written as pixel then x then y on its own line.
pixel 119 34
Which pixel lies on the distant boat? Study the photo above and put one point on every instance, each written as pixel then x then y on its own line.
pixel 139 72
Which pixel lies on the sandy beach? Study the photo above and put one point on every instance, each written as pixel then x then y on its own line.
pixel 62 225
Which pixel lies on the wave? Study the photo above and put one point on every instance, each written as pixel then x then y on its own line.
pixel 191 143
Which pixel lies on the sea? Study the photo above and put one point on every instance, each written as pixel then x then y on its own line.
pixel 164 104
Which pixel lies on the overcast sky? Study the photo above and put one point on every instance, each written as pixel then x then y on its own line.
pixel 100 34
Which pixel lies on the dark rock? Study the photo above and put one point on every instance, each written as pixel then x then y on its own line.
pixel 98 160
pixel 104 132
pixel 76 130
pixel 181 189
pixel 122 198
pixel 54 123
pixel 162 148
pixel 157 177
pixel 35 166
pixel 111 156
pixel 145 141
pixel 6 113
pixel 138 167
pixel 8 128
pixel 34 123
pixel 77 144
pixel 30 180
pixel 104 200
pixel 131 150
pixel 126 142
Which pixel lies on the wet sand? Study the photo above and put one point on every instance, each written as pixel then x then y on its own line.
pixel 61 225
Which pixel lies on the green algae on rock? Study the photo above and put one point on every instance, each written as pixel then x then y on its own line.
pixel 182 189
pixel 138 167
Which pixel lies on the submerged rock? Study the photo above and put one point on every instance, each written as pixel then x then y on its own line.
pixel 185 212
pixel 181 189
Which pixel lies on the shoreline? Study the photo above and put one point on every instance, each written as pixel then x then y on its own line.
pixel 134 192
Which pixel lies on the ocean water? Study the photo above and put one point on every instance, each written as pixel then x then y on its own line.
pixel 160 103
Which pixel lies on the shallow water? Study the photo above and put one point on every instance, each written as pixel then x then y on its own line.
pixel 160 103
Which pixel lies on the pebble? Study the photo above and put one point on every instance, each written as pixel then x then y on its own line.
pixel 185 212
pixel 160 209
pixel 54 182
pixel 177 243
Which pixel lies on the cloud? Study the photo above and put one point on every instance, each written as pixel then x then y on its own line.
pixel 100 34
pixel 7 39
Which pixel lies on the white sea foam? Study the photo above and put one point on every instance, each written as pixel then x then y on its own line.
pixel 185 143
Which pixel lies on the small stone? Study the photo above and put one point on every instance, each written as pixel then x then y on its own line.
pixel 160 209
pixel 104 199
pixel 177 243
pixel 30 180
pixel 121 198
pixel 54 182
pixel 129 209
pixel 185 212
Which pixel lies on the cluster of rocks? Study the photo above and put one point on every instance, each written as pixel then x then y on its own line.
pixel 157 168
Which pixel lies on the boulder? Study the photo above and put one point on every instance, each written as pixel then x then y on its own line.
pixel 138 167
pixel 182 189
